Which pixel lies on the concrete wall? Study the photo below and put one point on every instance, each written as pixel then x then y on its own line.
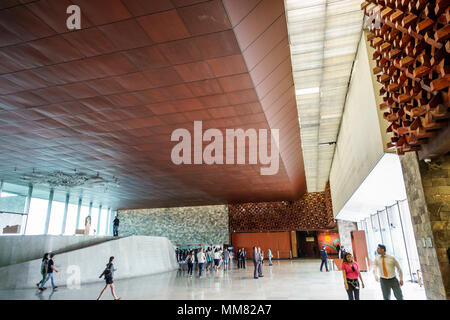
pixel 428 190
pixel 384 124
pixel 181 225
pixel 359 145
pixel 17 249
pixel 134 256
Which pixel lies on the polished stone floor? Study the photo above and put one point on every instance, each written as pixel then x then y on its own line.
pixel 297 279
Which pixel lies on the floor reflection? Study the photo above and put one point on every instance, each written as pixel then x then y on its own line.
pixel 297 279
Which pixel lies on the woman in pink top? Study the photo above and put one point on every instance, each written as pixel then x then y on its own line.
pixel 351 273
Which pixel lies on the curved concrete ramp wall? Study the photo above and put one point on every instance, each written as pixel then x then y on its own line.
pixel 134 256
pixel 18 249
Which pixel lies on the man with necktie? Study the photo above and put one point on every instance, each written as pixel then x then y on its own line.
pixel 385 266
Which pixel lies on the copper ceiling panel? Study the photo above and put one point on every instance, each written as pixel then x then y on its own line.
pixel 106 98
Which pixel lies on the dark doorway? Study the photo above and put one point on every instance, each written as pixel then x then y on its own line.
pixel 307 244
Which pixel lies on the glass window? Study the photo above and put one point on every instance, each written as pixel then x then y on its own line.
pixel 376 228
pixel 37 216
pixel 84 212
pixel 94 219
pixel 385 232
pixel 103 221
pixel 410 240
pixel 56 217
pixel 13 198
pixel 71 219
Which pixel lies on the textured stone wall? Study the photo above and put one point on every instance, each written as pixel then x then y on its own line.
pixel 182 225
pixel 345 229
pixel 427 188
pixel 313 211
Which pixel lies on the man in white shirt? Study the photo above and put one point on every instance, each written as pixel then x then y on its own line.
pixel 201 258
pixel 385 266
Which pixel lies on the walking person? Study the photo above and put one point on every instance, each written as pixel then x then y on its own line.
pixel 226 259
pixel 343 252
pixel 211 258
pixel 269 256
pixel 190 262
pixel 208 259
pixel 261 262
pixel 109 278
pixel 50 268
pixel 43 269
pixel 116 225
pixel 244 257
pixel 324 258
pixel 350 271
pixel 255 259
pixel 386 264
pixel 201 258
pixel 238 256
pixel 216 259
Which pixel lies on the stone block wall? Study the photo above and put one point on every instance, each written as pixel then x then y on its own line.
pixel 428 191
pixel 345 229
pixel 181 225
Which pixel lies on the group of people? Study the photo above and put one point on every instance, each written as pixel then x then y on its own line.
pixel 48 266
pixel 213 258
pixel 384 270
pixel 258 261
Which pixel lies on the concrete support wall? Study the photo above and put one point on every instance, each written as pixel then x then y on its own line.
pixel 181 225
pixel 17 249
pixel 428 190
pixel 134 257
pixel 359 145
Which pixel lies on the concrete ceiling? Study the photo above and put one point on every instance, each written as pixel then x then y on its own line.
pixel 105 99
pixel 324 37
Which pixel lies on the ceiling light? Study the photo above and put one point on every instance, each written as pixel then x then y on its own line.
pixel 307 91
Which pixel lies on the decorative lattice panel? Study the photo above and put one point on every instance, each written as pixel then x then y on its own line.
pixel 313 212
pixel 410 38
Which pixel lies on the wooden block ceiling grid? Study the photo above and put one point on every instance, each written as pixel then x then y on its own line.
pixel 106 98
pixel 412 47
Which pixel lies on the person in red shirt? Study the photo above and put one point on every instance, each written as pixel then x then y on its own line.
pixel 350 271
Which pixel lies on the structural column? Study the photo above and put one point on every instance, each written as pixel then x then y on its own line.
pixel 78 214
pixel 108 219
pixel 49 210
pixel 98 220
pixel 27 205
pixel 66 208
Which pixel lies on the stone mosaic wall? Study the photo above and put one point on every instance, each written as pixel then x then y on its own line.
pixel 313 211
pixel 428 191
pixel 182 225
pixel 345 229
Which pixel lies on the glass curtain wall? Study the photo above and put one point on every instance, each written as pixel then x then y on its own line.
pixel 393 228
pixel 71 219
pixel 13 199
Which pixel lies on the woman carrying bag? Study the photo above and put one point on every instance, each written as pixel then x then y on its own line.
pixel 350 271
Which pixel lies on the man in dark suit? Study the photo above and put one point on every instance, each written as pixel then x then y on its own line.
pixel 239 258
pixel 338 249
pixel 256 261
pixel 244 257
pixel 323 257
